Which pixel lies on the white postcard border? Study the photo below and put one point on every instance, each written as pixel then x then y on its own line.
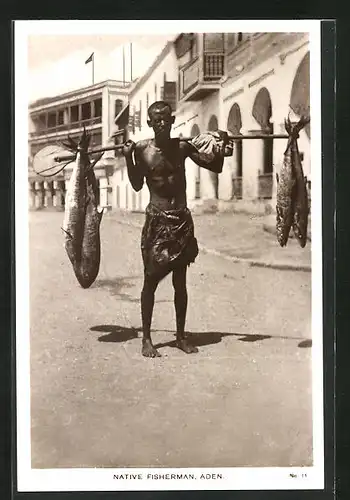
pixel 104 479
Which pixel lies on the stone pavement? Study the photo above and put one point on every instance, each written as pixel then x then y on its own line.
pixel 239 237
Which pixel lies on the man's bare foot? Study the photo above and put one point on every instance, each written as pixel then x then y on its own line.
pixel 185 346
pixel 148 350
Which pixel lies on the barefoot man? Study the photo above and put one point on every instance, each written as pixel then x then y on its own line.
pixel 168 244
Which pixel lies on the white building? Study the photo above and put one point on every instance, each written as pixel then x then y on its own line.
pixel 244 83
pixel 153 86
pixel 241 82
pixel 52 119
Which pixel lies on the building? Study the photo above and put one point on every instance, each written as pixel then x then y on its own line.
pixel 241 82
pixel 52 119
pixel 158 83
pixel 245 83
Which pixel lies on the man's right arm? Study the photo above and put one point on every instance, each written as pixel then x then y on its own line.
pixel 135 169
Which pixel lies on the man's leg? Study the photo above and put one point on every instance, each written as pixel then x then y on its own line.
pixel 147 303
pixel 180 300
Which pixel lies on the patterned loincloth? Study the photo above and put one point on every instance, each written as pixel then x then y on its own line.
pixel 167 241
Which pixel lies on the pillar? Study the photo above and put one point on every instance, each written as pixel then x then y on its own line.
pixel 207 185
pixel 190 169
pixel 32 194
pixel 41 201
pixel 253 162
pixel 225 179
pixel 105 116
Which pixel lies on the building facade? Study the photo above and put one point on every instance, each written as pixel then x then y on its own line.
pixel 245 83
pixel 52 119
pixel 158 83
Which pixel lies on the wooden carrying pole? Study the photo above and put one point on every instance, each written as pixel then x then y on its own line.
pixel 120 146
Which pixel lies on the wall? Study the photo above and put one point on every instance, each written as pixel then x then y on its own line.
pixel 276 73
pixel 128 198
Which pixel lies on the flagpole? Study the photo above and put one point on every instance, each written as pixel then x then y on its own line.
pixel 93 69
pixel 131 62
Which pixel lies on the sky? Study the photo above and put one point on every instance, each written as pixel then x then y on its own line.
pixel 56 63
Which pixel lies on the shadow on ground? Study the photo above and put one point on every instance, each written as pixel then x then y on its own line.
pixel 116 333
pixel 116 286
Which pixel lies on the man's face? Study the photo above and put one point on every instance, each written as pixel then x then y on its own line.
pixel 161 121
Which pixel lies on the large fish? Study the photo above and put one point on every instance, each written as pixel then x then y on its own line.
pixel 291 189
pixel 300 201
pixel 83 216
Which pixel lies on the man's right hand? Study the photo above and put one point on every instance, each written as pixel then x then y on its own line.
pixel 128 148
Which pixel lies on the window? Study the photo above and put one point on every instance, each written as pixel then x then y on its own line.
pixel 240 37
pixel 118 106
pixel 214 42
pixel 42 121
pixel 98 107
pixel 51 120
pixel 155 92
pixel 86 111
pixel 194 47
pixel 60 118
pixel 74 114
pixel 231 41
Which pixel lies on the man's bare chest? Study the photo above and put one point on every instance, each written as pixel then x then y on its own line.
pixel 158 163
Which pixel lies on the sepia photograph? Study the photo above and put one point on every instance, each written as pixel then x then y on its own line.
pixel 168 255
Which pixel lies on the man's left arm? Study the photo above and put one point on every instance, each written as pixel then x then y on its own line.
pixel 215 160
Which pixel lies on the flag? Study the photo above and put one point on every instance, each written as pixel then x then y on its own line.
pixel 89 59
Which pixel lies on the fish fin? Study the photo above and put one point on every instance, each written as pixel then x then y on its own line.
pixel 67 233
pixel 93 163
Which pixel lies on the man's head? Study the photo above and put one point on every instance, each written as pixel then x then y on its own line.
pixel 160 118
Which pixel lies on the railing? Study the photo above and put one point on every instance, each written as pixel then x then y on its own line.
pixel 213 66
pixel 265 186
pixel 67 126
pixel 237 183
pixel 213 70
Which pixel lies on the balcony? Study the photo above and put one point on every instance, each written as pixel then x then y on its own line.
pixel 67 127
pixel 201 76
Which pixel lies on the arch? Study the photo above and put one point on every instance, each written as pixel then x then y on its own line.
pixel 234 125
pixel 300 93
pixel 196 131
pixel 234 120
pixel 213 124
pixel 262 112
pixel 262 108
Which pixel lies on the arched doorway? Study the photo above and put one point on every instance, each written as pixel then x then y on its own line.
pixel 262 112
pixel 195 131
pixel 213 126
pixel 300 94
pixel 234 125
